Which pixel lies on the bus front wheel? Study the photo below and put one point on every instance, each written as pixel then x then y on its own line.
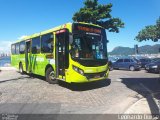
pixel 50 77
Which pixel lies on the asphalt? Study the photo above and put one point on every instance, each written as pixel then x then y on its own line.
pixel 129 92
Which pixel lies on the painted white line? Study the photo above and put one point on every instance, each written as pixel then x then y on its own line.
pixel 119 80
pixel 147 89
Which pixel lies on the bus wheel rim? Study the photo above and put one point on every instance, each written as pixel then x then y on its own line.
pixel 51 76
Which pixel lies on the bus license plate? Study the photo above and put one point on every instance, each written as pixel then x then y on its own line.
pixel 97 76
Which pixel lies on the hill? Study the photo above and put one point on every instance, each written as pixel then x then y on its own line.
pixel 147 49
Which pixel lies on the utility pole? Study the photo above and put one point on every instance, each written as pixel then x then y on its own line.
pixel 136 49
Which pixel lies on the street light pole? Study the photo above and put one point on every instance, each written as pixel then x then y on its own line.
pixel 136 49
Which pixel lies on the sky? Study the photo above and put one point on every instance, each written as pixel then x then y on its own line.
pixel 25 17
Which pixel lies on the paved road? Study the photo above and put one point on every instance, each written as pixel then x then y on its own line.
pixel 31 94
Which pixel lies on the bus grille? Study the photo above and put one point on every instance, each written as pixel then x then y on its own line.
pixel 95 75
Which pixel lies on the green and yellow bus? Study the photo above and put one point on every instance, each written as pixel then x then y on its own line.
pixel 73 52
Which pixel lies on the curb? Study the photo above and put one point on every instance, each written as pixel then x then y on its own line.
pixel 146 105
pixel 7 68
pixel 139 107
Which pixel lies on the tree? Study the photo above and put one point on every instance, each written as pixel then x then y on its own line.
pixel 99 14
pixel 151 32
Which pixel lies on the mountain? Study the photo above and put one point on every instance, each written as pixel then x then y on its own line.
pixel 122 51
pixel 147 49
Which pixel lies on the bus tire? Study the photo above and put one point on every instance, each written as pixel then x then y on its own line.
pixel 21 68
pixel 50 78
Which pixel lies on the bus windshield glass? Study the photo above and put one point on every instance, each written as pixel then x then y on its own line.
pixel 89 44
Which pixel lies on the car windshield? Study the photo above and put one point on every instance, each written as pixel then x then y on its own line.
pixel 112 59
pixel 156 60
pixel 135 60
pixel 89 46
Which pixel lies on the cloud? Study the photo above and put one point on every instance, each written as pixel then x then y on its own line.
pixel 22 37
pixel 5 46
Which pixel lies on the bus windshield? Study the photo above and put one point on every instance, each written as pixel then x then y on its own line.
pixel 89 46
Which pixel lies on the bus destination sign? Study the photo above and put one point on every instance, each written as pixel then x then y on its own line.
pixel 89 29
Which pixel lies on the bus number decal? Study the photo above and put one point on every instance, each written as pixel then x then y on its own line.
pixel 51 61
pixel 39 59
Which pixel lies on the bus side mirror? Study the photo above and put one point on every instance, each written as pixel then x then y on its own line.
pixel 110 63
pixel 107 41
pixel 72 50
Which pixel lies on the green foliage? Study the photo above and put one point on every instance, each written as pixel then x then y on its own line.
pixel 96 13
pixel 151 32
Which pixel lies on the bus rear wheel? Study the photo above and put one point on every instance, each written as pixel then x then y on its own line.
pixel 21 68
pixel 50 77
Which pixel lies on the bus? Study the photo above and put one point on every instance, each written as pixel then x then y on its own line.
pixel 72 52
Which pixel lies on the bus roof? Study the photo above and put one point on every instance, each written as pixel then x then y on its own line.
pixel 51 30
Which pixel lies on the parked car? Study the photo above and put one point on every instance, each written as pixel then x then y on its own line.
pixel 127 63
pixel 153 66
pixel 111 61
pixel 154 59
pixel 144 61
pixel 110 65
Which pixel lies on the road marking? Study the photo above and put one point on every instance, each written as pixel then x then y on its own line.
pixel 119 80
pixel 156 92
pixel 148 90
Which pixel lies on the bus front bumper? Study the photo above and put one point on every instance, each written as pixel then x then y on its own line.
pixel 87 77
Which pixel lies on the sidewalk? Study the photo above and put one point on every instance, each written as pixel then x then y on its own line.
pixel 147 105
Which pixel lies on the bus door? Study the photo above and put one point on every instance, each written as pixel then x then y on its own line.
pixel 27 55
pixel 62 52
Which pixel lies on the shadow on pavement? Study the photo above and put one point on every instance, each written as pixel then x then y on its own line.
pixel 36 76
pixel 85 86
pixel 145 86
pixel 14 79
pixel 24 76
pixel 77 86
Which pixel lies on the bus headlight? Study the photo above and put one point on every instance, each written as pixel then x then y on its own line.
pixel 75 68
pixel 80 71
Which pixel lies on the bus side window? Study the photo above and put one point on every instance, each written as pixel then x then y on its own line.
pixel 13 49
pixel 17 48
pixel 47 43
pixel 22 47
pixel 36 45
